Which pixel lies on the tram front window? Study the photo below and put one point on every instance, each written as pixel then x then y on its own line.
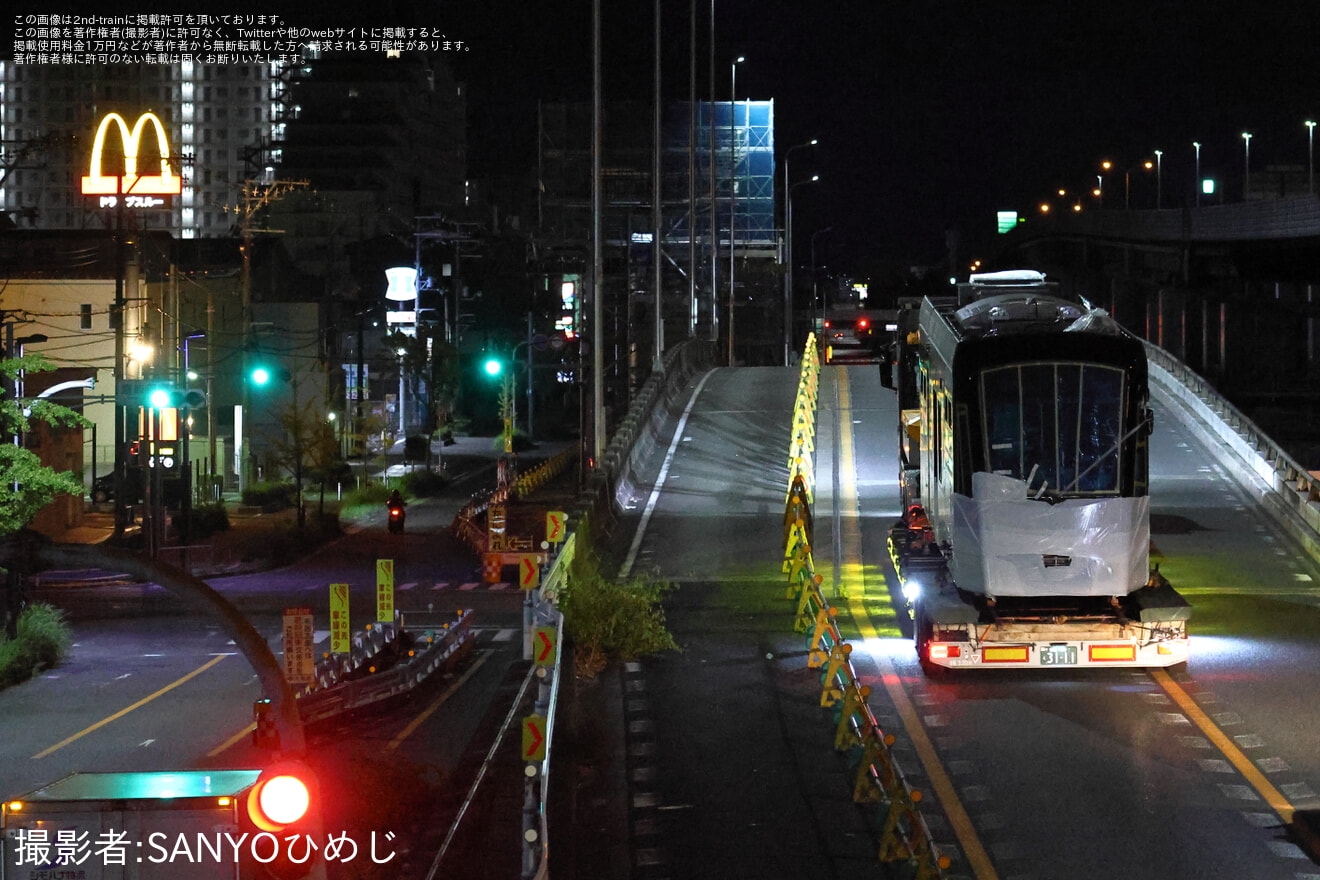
pixel 1057 424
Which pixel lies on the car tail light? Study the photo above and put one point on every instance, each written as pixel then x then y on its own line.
pixel 943 651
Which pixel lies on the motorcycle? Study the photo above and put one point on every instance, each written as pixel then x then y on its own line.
pixel 396 519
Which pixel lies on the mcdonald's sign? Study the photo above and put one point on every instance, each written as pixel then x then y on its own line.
pixel 164 183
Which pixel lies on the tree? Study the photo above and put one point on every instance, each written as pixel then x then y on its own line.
pixel 296 444
pixel 27 485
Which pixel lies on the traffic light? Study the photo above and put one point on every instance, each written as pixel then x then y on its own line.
pixel 283 806
pixel 263 374
pixel 493 366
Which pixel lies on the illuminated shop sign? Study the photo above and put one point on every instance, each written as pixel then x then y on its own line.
pixel 139 188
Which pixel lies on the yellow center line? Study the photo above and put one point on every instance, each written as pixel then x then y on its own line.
pixel 852 576
pixel 232 741
pixel 439 701
pixel 1272 795
pixel 122 712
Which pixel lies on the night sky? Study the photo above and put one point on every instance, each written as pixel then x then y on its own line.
pixel 932 114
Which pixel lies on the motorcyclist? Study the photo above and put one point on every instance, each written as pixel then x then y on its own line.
pixel 396 507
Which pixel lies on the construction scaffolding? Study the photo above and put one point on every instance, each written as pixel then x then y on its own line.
pixel 742 135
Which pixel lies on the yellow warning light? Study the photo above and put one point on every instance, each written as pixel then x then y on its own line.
pixel 223 801
pixel 15 806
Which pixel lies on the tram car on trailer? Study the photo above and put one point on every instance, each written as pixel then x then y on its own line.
pixel 1024 423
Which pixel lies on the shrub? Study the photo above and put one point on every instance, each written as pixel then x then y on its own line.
pixel 367 494
pixel 610 619
pixel 421 484
pixel 271 495
pixel 43 639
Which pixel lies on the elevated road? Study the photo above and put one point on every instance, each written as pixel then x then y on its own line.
pixel 1096 774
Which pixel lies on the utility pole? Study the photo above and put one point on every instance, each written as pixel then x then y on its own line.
pixel 255 197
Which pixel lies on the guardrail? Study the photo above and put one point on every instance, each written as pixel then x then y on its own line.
pixel 345 682
pixel 904 835
pixel 1295 491
pixel 465 527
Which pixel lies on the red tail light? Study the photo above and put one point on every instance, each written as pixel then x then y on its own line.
pixel 862 324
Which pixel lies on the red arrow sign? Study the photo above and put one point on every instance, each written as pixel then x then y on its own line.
pixel 548 645
pixel 555 521
pixel 533 740
pixel 527 573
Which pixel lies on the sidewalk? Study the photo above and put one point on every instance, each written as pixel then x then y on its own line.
pixel 258 541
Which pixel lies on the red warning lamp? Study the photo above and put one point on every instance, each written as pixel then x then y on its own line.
pixel 862 324
pixel 281 797
pixel 283 807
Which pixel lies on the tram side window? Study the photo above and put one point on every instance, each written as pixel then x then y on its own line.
pixel 1002 395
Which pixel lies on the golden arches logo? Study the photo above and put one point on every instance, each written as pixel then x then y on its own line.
pixel 165 183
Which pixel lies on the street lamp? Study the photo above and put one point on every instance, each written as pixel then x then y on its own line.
pixel 1127 184
pixel 1310 155
pixel 1246 176
pixel 1159 180
pixel 733 184
pixel 813 272
pixel 1197 187
pixel 788 247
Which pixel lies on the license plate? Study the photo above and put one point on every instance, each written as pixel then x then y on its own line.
pixel 1058 655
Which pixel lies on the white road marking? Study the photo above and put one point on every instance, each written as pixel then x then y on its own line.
pixel 628 561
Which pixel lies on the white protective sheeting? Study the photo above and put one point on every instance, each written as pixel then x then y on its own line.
pixel 1001 539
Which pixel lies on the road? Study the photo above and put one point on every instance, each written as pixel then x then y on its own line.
pixel 727 756
pixel 1065 774
pixel 148 686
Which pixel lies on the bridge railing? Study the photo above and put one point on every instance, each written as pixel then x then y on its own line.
pixel 1294 496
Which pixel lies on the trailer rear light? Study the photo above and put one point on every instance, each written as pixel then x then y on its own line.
pixel 1017 654
pixel 942 651
pixel 1165 649
pixel 1112 653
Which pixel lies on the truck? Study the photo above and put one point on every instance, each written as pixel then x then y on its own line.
pixel 1023 430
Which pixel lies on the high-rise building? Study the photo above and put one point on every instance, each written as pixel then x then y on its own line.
pixel 219 120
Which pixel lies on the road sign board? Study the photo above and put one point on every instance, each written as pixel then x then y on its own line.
pixel 339 631
pixel 556 526
pixel 545 644
pixel 385 590
pixel 533 738
pixel 299 663
pixel 529 573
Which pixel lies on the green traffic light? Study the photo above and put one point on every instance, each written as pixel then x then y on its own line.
pixel 160 398
pixel 260 375
pixel 493 367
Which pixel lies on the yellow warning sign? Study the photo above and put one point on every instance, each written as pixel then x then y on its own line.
pixel 385 590
pixel 339 631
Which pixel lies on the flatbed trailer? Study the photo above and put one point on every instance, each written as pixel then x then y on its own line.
pixel 1023 478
